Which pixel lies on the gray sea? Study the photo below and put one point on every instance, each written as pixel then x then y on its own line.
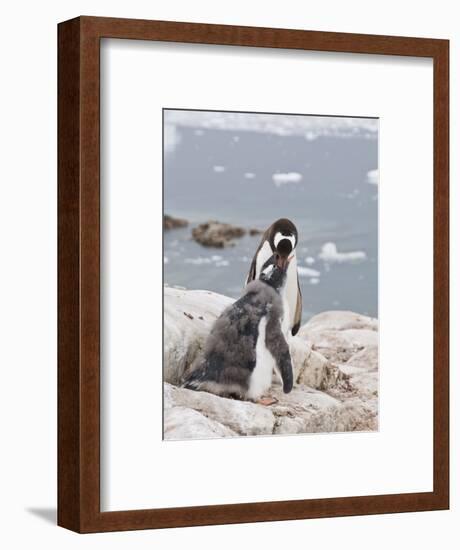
pixel 324 182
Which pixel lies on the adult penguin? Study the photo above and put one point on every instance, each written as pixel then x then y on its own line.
pixel 280 239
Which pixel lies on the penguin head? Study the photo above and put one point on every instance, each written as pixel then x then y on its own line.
pixel 273 274
pixel 283 240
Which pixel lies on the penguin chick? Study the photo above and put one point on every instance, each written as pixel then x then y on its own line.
pixel 246 343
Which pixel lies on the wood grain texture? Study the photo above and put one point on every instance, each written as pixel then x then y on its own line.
pixel 68 275
pixel 79 274
pixel 441 275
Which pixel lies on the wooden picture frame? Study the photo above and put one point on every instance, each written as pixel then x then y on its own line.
pixel 79 274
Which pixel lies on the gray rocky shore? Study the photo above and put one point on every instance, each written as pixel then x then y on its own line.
pixel 335 360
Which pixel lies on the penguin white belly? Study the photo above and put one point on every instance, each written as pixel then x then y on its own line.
pixel 289 296
pixel 261 376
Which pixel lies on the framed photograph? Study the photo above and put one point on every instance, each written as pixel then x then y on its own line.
pixel 253 274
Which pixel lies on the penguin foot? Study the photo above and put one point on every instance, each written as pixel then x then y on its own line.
pixel 267 401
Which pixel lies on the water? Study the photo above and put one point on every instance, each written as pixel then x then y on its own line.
pixel 204 179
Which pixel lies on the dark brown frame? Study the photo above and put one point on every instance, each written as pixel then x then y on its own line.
pixel 78 285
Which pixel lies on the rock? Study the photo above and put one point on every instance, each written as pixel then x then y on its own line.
pixel 365 360
pixel 188 318
pixel 323 416
pixel 173 223
pixel 241 417
pixel 196 415
pixel 339 335
pixel 216 234
pixel 362 369
pixel 254 231
pixel 341 320
pixel 311 368
pixel 335 361
pixel 185 423
pixel 349 341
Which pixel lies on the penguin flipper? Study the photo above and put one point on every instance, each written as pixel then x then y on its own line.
pixel 278 347
pixel 252 270
pixel 194 380
pixel 298 310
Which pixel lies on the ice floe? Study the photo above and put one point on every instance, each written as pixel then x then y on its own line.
pixel 288 177
pixel 218 261
pixel 373 177
pixel 329 253
pixel 307 272
pixel 172 138
pixel 308 126
pixel 198 261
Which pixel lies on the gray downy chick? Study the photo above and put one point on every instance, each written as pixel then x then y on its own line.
pixel 246 342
